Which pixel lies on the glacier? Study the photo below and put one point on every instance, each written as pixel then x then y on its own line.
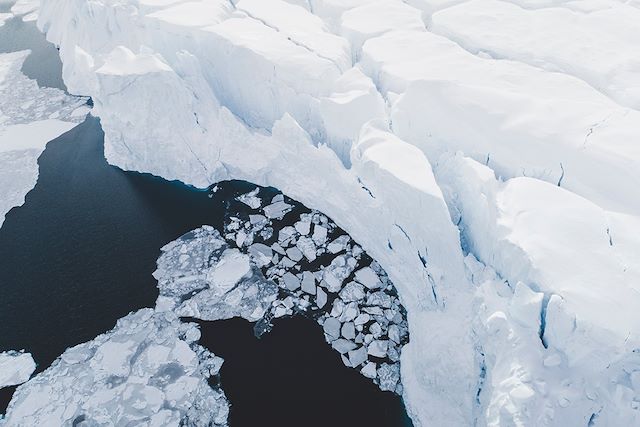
pixel 483 152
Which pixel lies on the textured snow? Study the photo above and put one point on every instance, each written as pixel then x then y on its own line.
pixel 30 117
pixel 15 368
pixel 348 105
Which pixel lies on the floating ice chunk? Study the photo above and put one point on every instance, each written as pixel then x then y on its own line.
pixel 286 233
pixel 342 345
pixel 303 227
pixel 277 210
pixel 358 356
pixel 319 235
pixel 362 319
pixel 308 283
pixel 378 348
pixel 261 253
pixel 277 248
pixel 389 376
pixel 394 333
pixel 353 291
pixel 15 368
pixel 294 254
pixel 348 330
pixel 291 282
pixel 369 370
pixel 231 268
pixel 250 199
pixel 368 277
pixel 331 327
pixel 305 244
pixel 321 297
pixel 375 329
pixel 339 244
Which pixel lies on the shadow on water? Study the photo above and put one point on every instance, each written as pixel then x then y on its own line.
pixel 43 64
pixel 81 252
pixel 291 377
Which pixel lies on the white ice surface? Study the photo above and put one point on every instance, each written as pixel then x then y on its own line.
pixel 30 117
pixel 15 368
pixel 535 88
pixel 146 371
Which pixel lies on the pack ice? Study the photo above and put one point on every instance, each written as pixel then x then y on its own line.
pixel 484 152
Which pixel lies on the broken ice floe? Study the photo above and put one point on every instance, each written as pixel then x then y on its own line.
pixel 279 259
pixel 148 370
pixel 15 367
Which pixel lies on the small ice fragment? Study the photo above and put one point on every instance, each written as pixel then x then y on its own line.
pixel 277 209
pixel 331 327
pixel 250 199
pixel 261 253
pixel 394 333
pixel 291 282
pixel 389 376
pixel 319 235
pixel 375 329
pixel 353 291
pixel 358 356
pixel 368 277
pixel 362 319
pixel 378 348
pixel 321 297
pixel 278 198
pixel 276 247
pixel 303 227
pixel 306 246
pixel 349 330
pixel 309 283
pixel 369 370
pixel 339 244
pixel 342 345
pixel 294 253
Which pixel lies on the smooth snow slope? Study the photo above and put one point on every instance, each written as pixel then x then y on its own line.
pixel 537 96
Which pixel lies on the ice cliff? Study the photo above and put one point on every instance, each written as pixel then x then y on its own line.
pixel 484 152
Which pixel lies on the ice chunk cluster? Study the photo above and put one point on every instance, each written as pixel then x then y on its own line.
pixel 147 371
pixel 279 259
pixel 15 367
pixel 30 116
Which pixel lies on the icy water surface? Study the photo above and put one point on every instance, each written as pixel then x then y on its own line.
pixel 80 253
pixel 43 64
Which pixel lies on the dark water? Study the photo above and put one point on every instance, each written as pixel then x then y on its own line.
pixel 43 63
pixel 291 377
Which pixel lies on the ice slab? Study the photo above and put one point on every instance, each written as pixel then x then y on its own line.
pixel 15 368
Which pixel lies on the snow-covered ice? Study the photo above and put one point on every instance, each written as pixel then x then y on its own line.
pixel 15 368
pixel 148 370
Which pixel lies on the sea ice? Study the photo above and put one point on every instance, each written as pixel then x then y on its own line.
pixel 15 368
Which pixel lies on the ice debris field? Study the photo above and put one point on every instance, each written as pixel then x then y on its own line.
pixel 485 153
